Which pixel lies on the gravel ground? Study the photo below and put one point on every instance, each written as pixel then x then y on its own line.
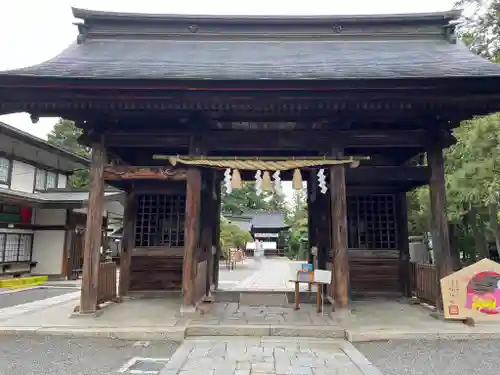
pixel 31 295
pixel 408 357
pixel 55 355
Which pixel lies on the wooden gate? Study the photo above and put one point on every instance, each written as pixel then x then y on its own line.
pixel 75 257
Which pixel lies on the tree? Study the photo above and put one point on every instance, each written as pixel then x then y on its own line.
pixel 65 135
pixel 479 26
pixel 232 236
pixel 246 199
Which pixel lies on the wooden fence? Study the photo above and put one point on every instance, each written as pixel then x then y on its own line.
pixel 106 290
pixel 425 282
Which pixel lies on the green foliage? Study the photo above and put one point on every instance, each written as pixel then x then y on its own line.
pixel 479 27
pixel 246 199
pixel 299 227
pixel 65 135
pixel 232 236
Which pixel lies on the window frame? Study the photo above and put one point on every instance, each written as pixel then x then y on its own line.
pixel 9 171
pixel 28 249
pixel 45 172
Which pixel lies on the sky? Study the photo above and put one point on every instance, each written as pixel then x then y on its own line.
pixel 34 31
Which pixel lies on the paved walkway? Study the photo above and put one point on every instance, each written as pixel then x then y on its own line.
pixel 267 356
pixel 272 275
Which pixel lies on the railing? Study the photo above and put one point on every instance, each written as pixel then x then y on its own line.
pixel 106 287
pixel 426 280
pixel 234 256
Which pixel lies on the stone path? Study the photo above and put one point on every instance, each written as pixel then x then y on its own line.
pixel 272 275
pixel 267 356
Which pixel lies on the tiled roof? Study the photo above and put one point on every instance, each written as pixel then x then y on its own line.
pixel 159 47
pixel 268 220
pixel 263 59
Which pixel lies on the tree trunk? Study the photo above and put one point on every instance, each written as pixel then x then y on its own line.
pixel 495 228
pixel 479 240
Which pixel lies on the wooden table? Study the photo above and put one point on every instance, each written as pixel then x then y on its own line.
pixel 318 293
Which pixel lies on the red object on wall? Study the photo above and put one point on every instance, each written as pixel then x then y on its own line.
pixel 25 213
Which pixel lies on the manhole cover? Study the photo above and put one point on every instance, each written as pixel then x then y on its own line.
pixel 143 366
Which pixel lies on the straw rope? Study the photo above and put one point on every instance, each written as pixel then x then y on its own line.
pixel 263 165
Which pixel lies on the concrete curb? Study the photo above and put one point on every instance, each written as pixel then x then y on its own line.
pixel 264 330
pixel 137 333
pixel 358 358
pixel 465 334
pixel 315 332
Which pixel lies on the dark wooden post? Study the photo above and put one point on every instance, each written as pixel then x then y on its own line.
pixel 206 222
pixel 310 219
pixel 439 220
pixel 93 231
pixel 403 244
pixel 339 236
pixel 191 235
pixel 216 228
pixel 128 241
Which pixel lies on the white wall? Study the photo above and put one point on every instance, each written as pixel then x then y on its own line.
pixel 48 251
pixel 62 181
pixel 48 245
pixel 23 177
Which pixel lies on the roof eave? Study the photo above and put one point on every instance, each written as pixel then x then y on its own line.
pixel 87 14
pixel 42 144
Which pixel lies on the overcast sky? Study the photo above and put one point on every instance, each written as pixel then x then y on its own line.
pixel 32 31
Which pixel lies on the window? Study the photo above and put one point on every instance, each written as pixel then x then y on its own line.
pixel 15 247
pixel 4 171
pixel 51 180
pixel 372 222
pixel 45 180
pixel 159 220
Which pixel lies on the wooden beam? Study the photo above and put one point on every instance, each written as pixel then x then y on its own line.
pixel 339 236
pixel 439 221
pixel 93 232
pixel 227 140
pixel 128 240
pixel 191 236
pixel 121 172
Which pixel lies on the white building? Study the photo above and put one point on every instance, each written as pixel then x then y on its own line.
pixel 41 219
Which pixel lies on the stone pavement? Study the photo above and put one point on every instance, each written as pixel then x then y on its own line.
pixel 267 356
pixel 272 275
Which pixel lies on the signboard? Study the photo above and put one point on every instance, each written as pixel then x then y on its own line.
pixel 266 235
pixel 10 213
pixel 473 292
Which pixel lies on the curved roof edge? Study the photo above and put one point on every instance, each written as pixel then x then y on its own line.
pixel 87 14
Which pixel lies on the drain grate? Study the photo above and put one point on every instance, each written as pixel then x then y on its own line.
pixel 143 366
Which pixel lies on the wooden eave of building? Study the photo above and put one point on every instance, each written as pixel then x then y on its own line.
pixel 153 82
pixel 27 148
pixel 54 198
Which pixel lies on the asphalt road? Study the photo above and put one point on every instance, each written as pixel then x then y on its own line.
pixel 55 355
pixel 407 357
pixel 31 295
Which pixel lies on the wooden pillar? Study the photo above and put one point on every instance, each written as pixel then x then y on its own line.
pixel 128 241
pixel 310 219
pixel 207 208
pixel 191 235
pixel 93 231
pixel 339 236
pixel 403 244
pixel 216 229
pixel 439 220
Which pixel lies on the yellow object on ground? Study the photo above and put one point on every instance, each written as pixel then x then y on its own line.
pixel 23 282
